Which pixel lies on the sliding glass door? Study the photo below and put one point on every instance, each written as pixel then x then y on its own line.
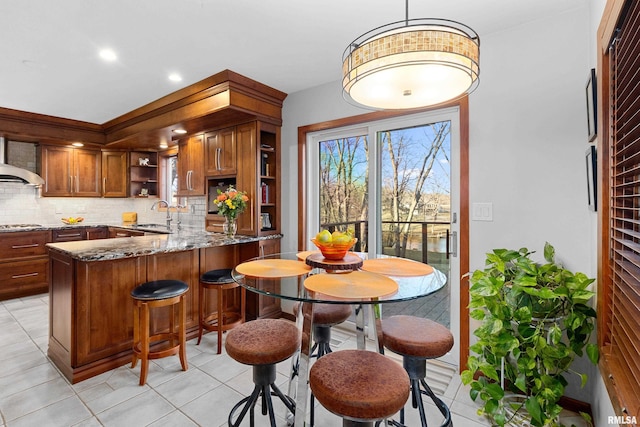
pixel 394 183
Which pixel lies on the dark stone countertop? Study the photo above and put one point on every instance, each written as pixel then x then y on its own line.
pixel 128 247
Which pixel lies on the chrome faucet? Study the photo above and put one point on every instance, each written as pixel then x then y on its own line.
pixel 153 207
pixel 178 207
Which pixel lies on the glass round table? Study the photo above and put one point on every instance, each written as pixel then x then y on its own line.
pixel 363 281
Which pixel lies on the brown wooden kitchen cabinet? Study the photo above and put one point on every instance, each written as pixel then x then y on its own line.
pixel 79 233
pixel 258 146
pixel 114 173
pixel 191 158
pixel 220 148
pixel 123 232
pixel 24 263
pixel 71 172
pixel 91 311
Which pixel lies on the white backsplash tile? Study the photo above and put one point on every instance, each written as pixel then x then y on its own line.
pixel 21 204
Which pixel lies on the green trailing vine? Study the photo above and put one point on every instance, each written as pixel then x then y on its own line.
pixel 535 320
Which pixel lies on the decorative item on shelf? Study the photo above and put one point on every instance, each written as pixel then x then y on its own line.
pixel 411 64
pixel 334 245
pixel 143 162
pixel 230 204
pixel 266 222
pixel 265 193
pixel 265 165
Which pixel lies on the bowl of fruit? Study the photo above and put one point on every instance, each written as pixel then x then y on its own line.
pixel 73 220
pixel 334 245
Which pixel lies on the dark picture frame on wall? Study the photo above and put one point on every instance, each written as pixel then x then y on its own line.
pixel 591 94
pixel 592 177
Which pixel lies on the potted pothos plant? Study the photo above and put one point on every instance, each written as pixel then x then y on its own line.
pixel 535 320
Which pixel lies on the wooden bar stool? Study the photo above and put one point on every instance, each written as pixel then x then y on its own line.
pixel 262 343
pixel 417 339
pixel 158 293
pixel 360 386
pixel 222 320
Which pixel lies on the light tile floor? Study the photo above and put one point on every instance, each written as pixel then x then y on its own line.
pixel 34 393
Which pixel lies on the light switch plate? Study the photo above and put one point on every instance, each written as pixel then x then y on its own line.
pixel 482 212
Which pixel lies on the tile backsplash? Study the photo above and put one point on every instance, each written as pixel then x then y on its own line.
pixel 21 204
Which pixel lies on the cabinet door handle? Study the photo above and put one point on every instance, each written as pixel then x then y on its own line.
pixel 189 184
pixel 70 183
pixel 69 235
pixel 77 184
pixel 33 245
pixel 218 155
pixel 104 185
pixel 20 276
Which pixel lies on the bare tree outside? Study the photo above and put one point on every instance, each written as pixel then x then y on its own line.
pixel 411 191
pixel 344 176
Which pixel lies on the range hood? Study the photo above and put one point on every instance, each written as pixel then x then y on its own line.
pixel 9 173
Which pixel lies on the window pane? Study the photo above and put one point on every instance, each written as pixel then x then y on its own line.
pixel 416 206
pixel 343 186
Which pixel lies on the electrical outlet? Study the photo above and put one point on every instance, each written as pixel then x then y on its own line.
pixel 58 210
pixel 82 209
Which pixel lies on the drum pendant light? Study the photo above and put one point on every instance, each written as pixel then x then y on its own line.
pixel 411 64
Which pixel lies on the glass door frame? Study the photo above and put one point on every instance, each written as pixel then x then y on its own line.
pixel 357 124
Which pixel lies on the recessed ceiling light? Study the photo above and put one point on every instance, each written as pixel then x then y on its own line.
pixel 180 131
pixel 164 145
pixel 108 55
pixel 77 144
pixel 175 77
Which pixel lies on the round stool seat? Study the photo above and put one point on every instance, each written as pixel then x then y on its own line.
pixel 416 337
pixel 159 289
pixel 263 341
pixel 220 276
pixel 359 384
pixel 328 314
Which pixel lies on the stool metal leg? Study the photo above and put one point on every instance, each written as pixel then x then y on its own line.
pixel 417 369
pixel 264 377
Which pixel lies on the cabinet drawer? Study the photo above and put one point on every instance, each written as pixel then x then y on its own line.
pixel 23 244
pixel 68 235
pixel 23 277
pixel 121 232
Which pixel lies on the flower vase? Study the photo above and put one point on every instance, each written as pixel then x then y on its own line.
pixel 230 227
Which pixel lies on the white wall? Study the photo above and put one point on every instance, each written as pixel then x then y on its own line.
pixel 528 138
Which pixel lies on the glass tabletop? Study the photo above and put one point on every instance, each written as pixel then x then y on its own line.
pixel 284 275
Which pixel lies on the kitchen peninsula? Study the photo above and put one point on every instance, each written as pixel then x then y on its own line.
pixel 90 314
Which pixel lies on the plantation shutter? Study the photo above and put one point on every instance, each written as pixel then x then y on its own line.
pixel 622 314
